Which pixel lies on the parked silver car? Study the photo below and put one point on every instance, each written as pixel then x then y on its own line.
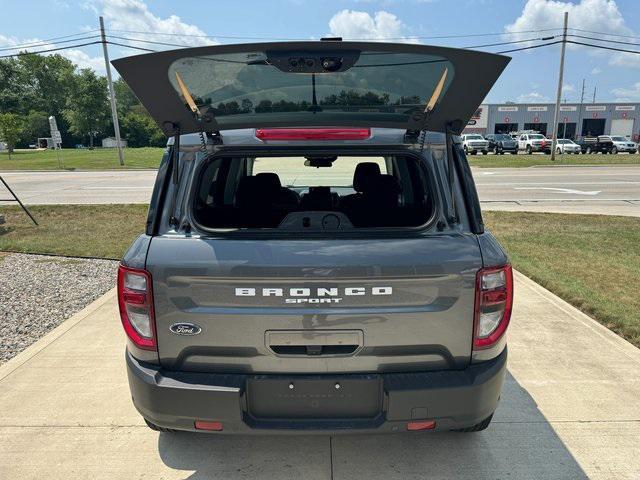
pixel 315 259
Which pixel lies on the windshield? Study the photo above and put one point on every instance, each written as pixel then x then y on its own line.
pixel 536 137
pixel 245 87
pixel 474 137
pixel 503 137
pixel 564 141
pixel 619 139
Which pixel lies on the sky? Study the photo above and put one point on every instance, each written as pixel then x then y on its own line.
pixel 530 77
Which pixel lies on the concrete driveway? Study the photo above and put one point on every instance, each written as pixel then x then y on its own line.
pixel 570 410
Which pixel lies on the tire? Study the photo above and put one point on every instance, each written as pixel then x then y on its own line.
pixel 478 427
pixel 474 152
pixel 495 150
pixel 588 151
pixel 558 151
pixel 156 428
pixel 484 152
pixel 614 151
pixel 529 152
pixel 466 150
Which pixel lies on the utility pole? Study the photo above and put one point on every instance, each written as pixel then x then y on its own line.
pixel 112 93
pixel 556 114
pixel 594 94
pixel 579 124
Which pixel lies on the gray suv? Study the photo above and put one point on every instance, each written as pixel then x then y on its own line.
pixel 314 259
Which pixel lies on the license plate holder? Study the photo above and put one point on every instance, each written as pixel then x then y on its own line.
pixel 314 399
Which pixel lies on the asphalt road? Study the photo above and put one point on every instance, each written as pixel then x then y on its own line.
pixel 609 189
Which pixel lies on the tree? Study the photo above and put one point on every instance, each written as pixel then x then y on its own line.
pixel 87 110
pixel 35 125
pixel 141 131
pixel 10 128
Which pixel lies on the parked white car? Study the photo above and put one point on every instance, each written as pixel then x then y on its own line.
pixel 473 143
pixel 564 145
pixel 622 144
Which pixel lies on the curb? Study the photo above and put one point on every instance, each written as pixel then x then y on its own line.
pixel 613 338
pixel 32 350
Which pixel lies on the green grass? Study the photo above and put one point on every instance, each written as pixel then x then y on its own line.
pixel 78 230
pixel 591 261
pixel 523 160
pixel 107 158
pixel 77 159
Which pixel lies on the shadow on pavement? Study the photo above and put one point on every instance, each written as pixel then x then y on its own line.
pixel 519 444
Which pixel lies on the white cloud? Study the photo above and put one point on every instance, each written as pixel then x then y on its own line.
pixel 134 15
pixel 595 15
pixel 532 97
pixel 351 24
pixel 568 88
pixel 596 70
pixel 627 94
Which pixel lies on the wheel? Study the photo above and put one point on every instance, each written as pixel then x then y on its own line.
pixel 558 150
pixel 466 150
pixel 478 427
pixel 588 150
pixel 614 150
pixel 529 150
pixel 495 150
pixel 484 152
pixel 156 428
pixel 502 152
pixel 474 152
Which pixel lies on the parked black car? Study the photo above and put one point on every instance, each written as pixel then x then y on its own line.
pixel 601 144
pixel 499 143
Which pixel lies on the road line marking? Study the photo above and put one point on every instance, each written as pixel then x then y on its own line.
pixel 562 190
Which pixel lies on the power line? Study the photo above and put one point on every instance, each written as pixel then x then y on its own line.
pixel 303 39
pixel 605 33
pixel 529 48
pixel 131 46
pixel 20 54
pixel 44 44
pixel 603 47
pixel 152 42
pixel 604 40
pixel 510 43
pixel 47 41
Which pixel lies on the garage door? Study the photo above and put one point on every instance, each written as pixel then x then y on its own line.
pixel 622 127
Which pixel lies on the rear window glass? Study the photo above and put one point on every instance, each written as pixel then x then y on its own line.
pixel 276 192
pixel 248 86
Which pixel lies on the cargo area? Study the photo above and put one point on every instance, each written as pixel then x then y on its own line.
pixel 332 192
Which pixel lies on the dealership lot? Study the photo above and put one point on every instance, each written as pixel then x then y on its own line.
pixel 606 189
pixel 568 412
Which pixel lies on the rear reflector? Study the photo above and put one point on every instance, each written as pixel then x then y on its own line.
pixel 313 133
pixel 421 425
pixel 494 298
pixel 135 300
pixel 211 426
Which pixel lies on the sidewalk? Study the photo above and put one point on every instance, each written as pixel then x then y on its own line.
pixel 570 409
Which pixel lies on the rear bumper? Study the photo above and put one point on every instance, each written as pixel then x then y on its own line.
pixel 454 399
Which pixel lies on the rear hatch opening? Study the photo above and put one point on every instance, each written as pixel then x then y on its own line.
pixel 312 192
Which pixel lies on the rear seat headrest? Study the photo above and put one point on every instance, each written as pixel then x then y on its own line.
pixel 364 174
pixel 260 190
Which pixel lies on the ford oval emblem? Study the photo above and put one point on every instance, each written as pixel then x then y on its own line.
pixel 185 329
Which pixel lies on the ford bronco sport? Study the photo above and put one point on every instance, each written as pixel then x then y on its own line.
pixel 315 258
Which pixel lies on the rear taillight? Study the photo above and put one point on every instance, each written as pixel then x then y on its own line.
pixel 135 300
pixel 313 133
pixel 494 297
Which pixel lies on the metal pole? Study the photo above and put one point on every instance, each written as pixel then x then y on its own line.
pixel 112 93
pixel 554 138
pixel 579 123
pixel 594 94
pixel 26 210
